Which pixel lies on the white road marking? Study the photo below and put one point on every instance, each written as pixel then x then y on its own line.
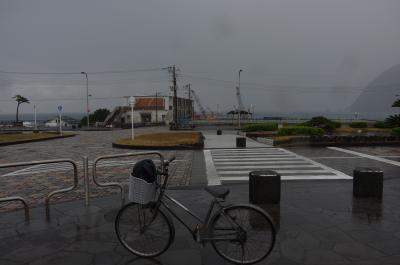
pixel 337 172
pixel 377 158
pixel 211 172
pixel 280 171
pixel 347 157
pixel 235 164
pixel 308 177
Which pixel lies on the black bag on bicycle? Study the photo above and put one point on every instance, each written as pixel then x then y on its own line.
pixel 145 169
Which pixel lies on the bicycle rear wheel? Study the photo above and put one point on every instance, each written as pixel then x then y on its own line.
pixel 243 234
pixel 143 233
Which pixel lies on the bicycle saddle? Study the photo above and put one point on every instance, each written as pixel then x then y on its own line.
pixel 217 192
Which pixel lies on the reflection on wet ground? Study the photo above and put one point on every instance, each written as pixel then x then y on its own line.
pixel 318 222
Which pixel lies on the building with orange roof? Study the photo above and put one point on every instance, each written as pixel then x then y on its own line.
pixel 151 110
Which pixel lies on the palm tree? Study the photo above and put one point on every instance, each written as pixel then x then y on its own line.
pixel 394 120
pixel 20 99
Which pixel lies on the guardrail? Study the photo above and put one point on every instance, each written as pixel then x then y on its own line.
pixel 116 184
pixel 48 196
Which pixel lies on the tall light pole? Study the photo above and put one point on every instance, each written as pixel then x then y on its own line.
pixel 87 97
pixel 240 107
pixel 132 103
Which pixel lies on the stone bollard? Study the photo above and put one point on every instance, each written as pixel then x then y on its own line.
pixel 264 187
pixel 219 132
pixel 240 141
pixel 368 182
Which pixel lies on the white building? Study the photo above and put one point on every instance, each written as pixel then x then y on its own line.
pixel 151 109
pixel 65 122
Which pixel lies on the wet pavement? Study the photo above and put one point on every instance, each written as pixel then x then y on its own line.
pixel 319 222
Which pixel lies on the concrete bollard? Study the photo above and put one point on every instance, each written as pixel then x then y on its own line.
pixel 368 182
pixel 240 141
pixel 264 187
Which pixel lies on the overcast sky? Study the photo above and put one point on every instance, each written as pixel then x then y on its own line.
pixel 297 55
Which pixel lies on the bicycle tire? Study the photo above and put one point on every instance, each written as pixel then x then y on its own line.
pixel 147 243
pixel 247 217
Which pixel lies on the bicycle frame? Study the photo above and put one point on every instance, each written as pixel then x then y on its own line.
pixel 202 227
pixel 200 231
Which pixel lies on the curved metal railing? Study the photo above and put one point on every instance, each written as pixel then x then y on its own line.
pixel 49 195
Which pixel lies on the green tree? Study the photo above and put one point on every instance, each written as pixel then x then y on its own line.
pixel 98 116
pixel 394 120
pixel 20 100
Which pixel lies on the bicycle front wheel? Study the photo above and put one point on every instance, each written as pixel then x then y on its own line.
pixel 142 231
pixel 243 234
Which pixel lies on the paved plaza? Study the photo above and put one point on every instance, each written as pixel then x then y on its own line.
pixel 318 219
pixel 34 182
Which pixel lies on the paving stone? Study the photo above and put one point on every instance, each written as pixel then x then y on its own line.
pixel 64 258
pixel 357 251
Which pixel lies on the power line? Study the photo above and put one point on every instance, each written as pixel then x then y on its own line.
pixel 292 88
pixel 79 73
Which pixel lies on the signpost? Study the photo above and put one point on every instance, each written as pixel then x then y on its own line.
pixel 60 110
pixel 132 103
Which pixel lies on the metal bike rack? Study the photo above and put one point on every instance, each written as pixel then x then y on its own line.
pixel 116 184
pixel 48 196
pixel 86 179
pixel 22 200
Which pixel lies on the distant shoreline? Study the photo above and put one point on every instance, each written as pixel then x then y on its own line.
pixel 40 116
pixel 258 115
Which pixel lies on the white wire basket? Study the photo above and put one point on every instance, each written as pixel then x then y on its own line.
pixel 141 191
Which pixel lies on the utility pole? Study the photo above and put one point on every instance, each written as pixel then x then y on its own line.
pixel 175 96
pixel 172 70
pixel 240 105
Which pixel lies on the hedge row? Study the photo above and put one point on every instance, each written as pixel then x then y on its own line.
pixel 260 127
pixel 358 124
pixel 396 131
pixel 322 122
pixel 300 130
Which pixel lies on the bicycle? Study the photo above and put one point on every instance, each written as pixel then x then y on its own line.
pixel 240 233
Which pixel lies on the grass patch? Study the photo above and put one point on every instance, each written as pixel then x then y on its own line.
pixel 169 139
pixel 11 138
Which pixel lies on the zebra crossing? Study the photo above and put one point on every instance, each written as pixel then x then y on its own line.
pixel 235 164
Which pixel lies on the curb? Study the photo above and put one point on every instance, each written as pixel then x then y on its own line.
pixel 175 147
pixel 36 140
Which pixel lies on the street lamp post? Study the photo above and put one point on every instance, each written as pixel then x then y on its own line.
pixel 132 102
pixel 87 98
pixel 240 107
